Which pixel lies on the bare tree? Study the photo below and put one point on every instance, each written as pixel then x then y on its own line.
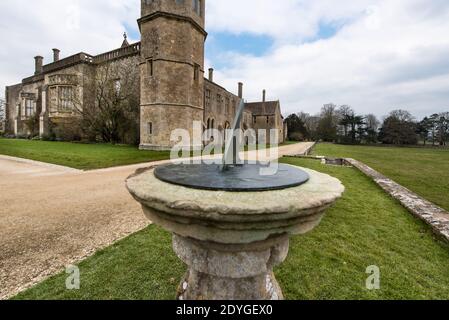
pixel 433 127
pixel 329 119
pixel 2 115
pixel 443 128
pixel 110 107
pixel 372 128
pixel 402 115
pixel 2 109
pixel 372 122
pixel 311 123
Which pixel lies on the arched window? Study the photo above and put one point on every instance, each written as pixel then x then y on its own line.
pixel 208 124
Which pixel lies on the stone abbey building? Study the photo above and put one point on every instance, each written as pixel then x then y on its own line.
pixel 173 89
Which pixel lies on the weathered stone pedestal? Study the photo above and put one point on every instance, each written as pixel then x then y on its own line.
pixel 231 241
pixel 228 272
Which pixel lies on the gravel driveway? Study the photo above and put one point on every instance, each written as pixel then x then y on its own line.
pixel 52 216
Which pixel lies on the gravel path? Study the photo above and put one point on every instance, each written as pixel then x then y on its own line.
pixel 52 216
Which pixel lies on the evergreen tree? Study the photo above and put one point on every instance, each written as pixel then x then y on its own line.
pixel 399 128
pixel 297 130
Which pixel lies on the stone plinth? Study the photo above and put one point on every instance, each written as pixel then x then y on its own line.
pixel 230 272
pixel 232 240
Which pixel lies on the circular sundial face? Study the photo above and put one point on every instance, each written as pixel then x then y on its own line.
pixel 243 178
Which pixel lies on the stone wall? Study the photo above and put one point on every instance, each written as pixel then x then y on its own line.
pixel 45 91
pixel 12 97
pixel 219 106
pixel 59 120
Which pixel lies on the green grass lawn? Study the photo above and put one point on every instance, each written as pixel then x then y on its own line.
pixel 364 228
pixel 78 155
pixel 422 170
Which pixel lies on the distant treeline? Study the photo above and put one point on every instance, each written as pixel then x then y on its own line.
pixel 343 125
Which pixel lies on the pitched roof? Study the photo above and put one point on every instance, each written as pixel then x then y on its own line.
pixel 262 108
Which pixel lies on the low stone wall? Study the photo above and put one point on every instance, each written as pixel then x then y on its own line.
pixel 428 212
pixel 434 216
pixel 309 150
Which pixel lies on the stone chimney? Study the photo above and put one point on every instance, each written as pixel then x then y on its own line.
pixel 39 62
pixel 264 95
pixel 240 90
pixel 211 75
pixel 56 55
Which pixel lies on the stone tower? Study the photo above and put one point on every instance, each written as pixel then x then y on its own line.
pixel 172 69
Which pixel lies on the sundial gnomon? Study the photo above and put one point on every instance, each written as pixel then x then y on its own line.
pixel 232 174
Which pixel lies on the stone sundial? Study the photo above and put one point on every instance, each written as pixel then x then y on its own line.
pixel 231 226
pixel 232 174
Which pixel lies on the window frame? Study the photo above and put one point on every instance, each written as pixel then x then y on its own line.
pixel 197 7
pixel 150 67
pixel 65 99
pixel 29 108
pixel 196 72
pixel 208 95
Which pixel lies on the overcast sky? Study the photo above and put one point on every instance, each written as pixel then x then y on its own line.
pixel 373 55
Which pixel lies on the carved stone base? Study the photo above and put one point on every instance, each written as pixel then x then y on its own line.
pixel 230 272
